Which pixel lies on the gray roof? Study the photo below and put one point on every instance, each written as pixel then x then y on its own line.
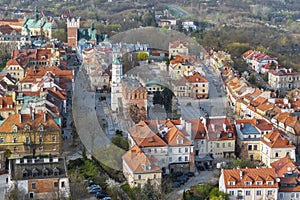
pixel 34 168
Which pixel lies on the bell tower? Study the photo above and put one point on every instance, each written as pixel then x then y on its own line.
pixel 73 26
pixel 116 86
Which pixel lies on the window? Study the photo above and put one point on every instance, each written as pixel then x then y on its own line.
pixel 33 185
pixel 203 91
pixel 15 148
pixel 15 139
pixel 258 192
pixel 62 184
pixel 186 158
pixel 270 192
pixel 247 183
pixel 41 148
pixel 170 159
pixel 1 139
pixel 223 145
pixel 179 141
pixel 276 154
pixel 27 139
pixel 270 183
pixel 179 159
pixel 258 183
pixel 140 177
pixel 280 195
pixel 170 150
pixel 231 193
pixel 154 176
pixel 186 150
pixel 55 184
pixel 255 147
pixel 229 144
pixel 218 145
pixel 247 193
pixel 230 183
pixel 31 195
pixel 249 147
pixel 53 138
pixel 292 195
pixel 139 185
pixel 41 139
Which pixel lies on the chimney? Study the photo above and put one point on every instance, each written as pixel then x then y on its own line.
pixel 32 113
pixel 45 116
pixel 188 128
pixel 20 117
pixel 224 127
pixel 241 174
pixel 213 127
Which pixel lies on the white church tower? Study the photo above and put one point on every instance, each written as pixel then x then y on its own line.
pixel 116 88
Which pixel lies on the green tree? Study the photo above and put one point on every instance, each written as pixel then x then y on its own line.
pixel 252 79
pixel 157 98
pixel 149 192
pixel 243 163
pixel 148 19
pixel 142 55
pixel 167 95
pixel 60 34
pixel 121 142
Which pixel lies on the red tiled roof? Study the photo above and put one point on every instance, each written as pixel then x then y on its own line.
pixel 274 139
pixel 241 176
pixel 139 162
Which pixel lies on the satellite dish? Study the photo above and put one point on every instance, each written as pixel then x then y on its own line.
pixel 277 180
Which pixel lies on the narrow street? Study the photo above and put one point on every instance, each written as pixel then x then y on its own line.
pixel 203 177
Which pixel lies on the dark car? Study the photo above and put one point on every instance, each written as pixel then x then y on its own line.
pixel 94 190
pixel 201 168
pixel 182 179
pixel 176 184
pixel 190 174
pixel 100 195
pixel 177 174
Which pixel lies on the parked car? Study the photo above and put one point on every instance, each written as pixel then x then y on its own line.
pixel 177 174
pixel 190 174
pixel 94 190
pixel 176 184
pixel 94 187
pixel 201 168
pixel 100 195
pixel 88 182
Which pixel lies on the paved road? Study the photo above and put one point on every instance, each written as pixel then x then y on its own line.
pixel 3 186
pixel 203 177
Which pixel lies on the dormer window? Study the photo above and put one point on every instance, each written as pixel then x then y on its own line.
pixel 27 127
pixel 231 183
pixel 41 127
pixel 180 141
pixel 270 183
pixel 247 183
pixel 15 128
pixel 258 182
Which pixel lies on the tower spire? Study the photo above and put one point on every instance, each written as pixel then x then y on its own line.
pixel 36 15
